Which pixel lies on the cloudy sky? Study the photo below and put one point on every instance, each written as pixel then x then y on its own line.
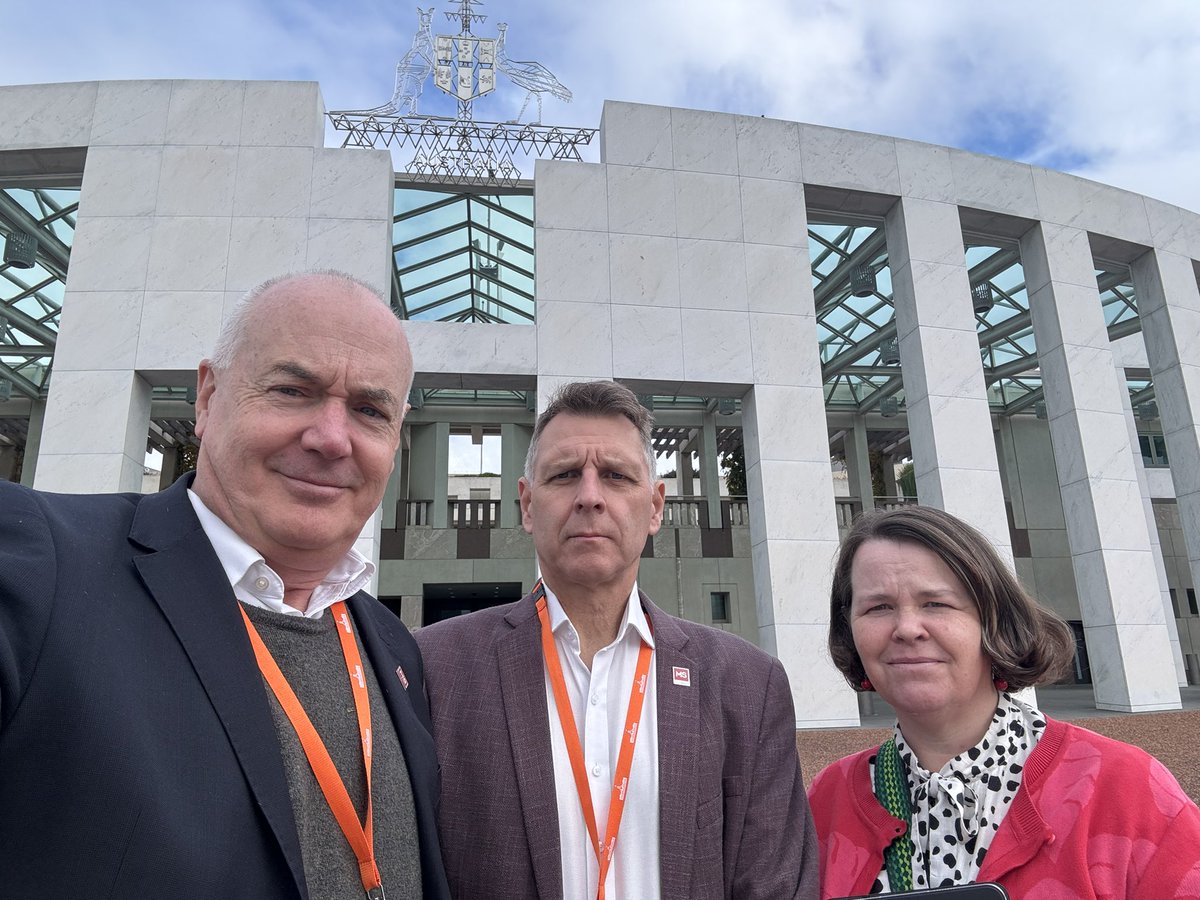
pixel 1100 88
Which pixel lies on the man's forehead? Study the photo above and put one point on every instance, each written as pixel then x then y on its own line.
pixel 569 435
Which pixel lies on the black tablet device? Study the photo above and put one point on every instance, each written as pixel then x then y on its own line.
pixel 983 891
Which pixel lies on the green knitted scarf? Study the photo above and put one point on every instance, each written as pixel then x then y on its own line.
pixel 891 787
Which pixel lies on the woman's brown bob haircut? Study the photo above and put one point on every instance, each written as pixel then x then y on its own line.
pixel 1027 644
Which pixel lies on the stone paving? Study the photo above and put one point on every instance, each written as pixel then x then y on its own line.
pixel 1173 737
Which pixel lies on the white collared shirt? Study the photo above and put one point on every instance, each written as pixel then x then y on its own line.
pixel 256 583
pixel 599 701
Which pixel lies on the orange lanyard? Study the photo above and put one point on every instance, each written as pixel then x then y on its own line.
pixel 566 718
pixel 360 836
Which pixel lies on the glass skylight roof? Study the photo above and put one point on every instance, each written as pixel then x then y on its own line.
pixel 31 299
pixel 463 257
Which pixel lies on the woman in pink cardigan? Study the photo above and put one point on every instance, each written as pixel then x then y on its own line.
pixel 975 784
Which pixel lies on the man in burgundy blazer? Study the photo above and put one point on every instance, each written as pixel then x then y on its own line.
pixel 733 818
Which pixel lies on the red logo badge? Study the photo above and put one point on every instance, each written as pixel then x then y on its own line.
pixel 680 675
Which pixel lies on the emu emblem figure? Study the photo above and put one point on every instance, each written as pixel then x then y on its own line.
pixel 532 76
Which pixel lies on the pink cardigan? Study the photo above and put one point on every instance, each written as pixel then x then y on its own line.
pixel 1094 818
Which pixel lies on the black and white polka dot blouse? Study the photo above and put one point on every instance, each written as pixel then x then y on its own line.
pixel 957 811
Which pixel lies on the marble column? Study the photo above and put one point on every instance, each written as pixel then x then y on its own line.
pixel 954 451
pixel 1169 306
pixel 166 474
pixel 793 540
pixel 683 469
pixel 439 516
pixel 514 444
pixel 33 441
pixel 710 473
pixel 112 409
pixel 1128 646
pixel 8 462
pixel 858 463
pixel 1164 588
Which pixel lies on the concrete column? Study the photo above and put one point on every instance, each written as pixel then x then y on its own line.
pixel 858 463
pixel 112 409
pixel 33 441
pixel 891 487
pixel 514 444
pixel 710 473
pixel 166 475
pixel 954 452
pixel 1123 618
pixel 439 516
pixel 683 471
pixel 8 462
pixel 1169 305
pixel 1164 588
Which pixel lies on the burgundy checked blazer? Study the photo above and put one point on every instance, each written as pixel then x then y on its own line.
pixel 734 820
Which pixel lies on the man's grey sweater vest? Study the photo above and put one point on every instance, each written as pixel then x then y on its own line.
pixel 309 654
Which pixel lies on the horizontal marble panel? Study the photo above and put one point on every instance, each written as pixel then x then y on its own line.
pixel 120 181
pixel 574 339
pixel 130 112
pixel 111 253
pixel 785 349
pixel 188 253
pixel 197 181
pixel 643 270
pixel 88 473
pixel 768 148
pixel 1080 203
pixel 635 134
pixel 352 184
pixel 262 248
pixel 996 185
pixel 647 342
pixel 712 275
pixel 454 348
pixel 849 159
pixel 773 212
pixel 47 115
pixel 359 247
pixel 273 181
pixel 572 195
pixel 641 201
pixel 206 112
pixel 283 114
pixel 925 171
pixel 716 346
pixel 704 141
pixel 179 328
pixel 572 266
pixel 778 280
pixel 708 206
pixel 98 330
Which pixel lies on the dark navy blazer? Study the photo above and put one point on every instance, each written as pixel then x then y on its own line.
pixel 138 756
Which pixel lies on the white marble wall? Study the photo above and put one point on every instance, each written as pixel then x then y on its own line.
pixel 1124 624
pixel 193 192
pixel 682 260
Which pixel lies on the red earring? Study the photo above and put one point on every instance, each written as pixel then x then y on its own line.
pixel 1001 684
pixel 866 685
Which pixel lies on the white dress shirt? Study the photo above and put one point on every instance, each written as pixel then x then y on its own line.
pixel 257 584
pixel 600 701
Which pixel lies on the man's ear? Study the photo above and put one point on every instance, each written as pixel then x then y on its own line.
pixel 526 498
pixel 657 500
pixel 206 383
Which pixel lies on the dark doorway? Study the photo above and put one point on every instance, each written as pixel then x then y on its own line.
pixel 1081 670
pixel 444 601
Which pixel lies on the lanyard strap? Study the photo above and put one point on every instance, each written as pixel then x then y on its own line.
pixel 891 788
pixel 566 717
pixel 360 836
